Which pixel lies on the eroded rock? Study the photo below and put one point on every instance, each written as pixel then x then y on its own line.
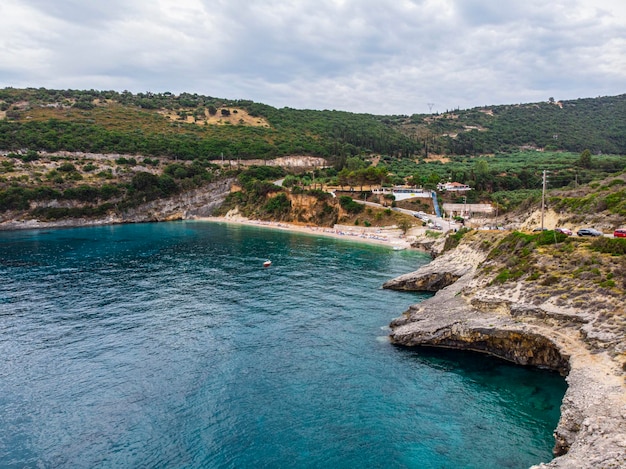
pixel 522 322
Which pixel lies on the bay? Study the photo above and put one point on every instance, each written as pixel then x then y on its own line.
pixel 169 345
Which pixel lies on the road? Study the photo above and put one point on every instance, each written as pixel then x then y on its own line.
pixel 445 224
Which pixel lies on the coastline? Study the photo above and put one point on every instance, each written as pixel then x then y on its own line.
pixel 391 237
pixel 381 236
pixel 469 312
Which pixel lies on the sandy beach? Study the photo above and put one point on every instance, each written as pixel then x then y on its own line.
pixel 387 236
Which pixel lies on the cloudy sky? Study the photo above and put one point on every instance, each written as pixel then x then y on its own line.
pixel 375 56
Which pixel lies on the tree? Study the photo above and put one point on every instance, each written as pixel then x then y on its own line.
pixel 354 163
pixel 584 161
pixel 278 205
pixel 482 175
pixel 415 180
pixel 350 205
pixel 405 225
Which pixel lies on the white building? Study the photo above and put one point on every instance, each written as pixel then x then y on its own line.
pixel 404 192
pixel 453 187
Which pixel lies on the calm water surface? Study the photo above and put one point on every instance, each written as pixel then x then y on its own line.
pixel 169 346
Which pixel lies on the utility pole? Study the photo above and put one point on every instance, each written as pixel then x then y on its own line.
pixel 543 197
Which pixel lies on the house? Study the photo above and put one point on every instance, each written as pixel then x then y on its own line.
pixel 453 187
pixel 404 192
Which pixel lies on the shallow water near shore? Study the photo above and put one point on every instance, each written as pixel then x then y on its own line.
pixel 169 345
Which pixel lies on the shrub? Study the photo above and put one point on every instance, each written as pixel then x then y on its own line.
pixel 55 213
pixel 503 276
pixel 278 205
pixel 14 198
pixel 67 168
pixel 108 174
pixel 29 156
pixel 319 194
pixel 261 188
pixel 433 234
pixel 453 240
pixel 144 182
pixel 614 246
pixel 126 161
pixel 350 205
pixel 550 280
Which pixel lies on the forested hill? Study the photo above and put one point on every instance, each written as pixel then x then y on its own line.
pixel 597 124
pixel 189 126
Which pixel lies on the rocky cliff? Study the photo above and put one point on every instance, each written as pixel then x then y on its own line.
pixel 547 316
pixel 199 202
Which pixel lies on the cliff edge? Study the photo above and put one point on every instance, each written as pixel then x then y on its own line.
pixel 552 305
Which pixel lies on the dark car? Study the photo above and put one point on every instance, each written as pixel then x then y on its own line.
pixel 589 232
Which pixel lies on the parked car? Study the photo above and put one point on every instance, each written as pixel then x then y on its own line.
pixel 540 229
pixel 565 231
pixel 589 232
pixel 422 216
pixel 619 233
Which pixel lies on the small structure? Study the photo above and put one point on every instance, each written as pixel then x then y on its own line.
pixel 453 187
pixel 404 192
pixel 467 210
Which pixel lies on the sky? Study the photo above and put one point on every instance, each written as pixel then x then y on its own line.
pixel 373 56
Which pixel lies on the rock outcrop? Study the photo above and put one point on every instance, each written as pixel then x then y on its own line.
pixel 201 202
pixel 522 322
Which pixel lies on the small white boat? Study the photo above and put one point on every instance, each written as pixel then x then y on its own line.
pixel 267 263
pixel 399 248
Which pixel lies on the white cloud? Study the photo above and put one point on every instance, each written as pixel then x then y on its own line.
pixel 379 56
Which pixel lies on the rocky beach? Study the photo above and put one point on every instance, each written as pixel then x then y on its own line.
pixel 561 325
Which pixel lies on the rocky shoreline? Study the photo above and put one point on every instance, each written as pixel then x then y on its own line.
pixel 469 312
pixel 523 322
pixel 201 202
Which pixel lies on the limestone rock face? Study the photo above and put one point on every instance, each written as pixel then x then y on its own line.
pixel 196 203
pixel 201 202
pixel 524 323
pixel 440 273
pixel 426 281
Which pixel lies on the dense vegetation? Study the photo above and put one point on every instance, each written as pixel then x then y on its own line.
pixel 500 151
pixel 595 123
pixel 555 260
pixel 92 188
pixel 113 122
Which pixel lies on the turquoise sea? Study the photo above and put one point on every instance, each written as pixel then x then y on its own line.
pixel 169 346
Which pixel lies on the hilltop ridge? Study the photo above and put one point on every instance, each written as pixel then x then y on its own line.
pixel 186 125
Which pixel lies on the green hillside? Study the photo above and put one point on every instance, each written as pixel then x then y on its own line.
pixel 597 124
pixel 111 122
pixel 182 126
pixel 124 149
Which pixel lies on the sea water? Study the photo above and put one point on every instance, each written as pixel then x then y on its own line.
pixel 170 346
